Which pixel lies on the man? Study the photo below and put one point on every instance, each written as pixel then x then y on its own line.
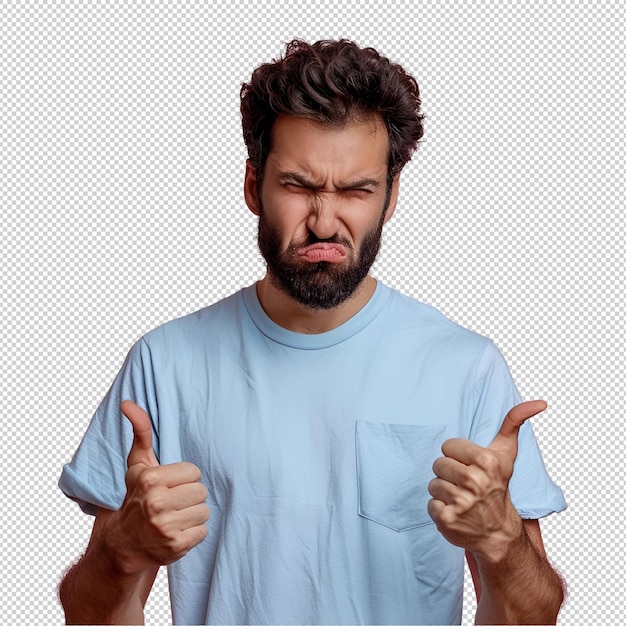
pixel 307 414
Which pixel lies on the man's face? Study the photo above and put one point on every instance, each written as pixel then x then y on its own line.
pixel 322 205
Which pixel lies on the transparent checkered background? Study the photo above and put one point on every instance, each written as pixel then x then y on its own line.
pixel 121 166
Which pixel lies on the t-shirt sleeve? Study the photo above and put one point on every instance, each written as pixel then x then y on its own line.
pixel 95 477
pixel 533 492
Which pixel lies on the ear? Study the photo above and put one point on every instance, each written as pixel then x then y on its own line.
pixel 393 197
pixel 251 189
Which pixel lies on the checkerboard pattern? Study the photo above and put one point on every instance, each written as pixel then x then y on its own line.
pixel 121 168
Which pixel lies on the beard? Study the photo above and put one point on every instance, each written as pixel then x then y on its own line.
pixel 321 285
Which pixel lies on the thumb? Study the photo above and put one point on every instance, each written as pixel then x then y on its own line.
pixel 141 451
pixel 506 439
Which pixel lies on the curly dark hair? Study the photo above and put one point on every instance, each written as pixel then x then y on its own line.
pixel 333 82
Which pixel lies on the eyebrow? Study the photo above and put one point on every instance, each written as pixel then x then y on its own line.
pixel 362 183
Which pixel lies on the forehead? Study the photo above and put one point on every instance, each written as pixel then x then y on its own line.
pixel 318 149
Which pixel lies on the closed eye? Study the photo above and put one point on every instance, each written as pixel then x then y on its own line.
pixel 298 184
pixel 358 192
pixel 298 188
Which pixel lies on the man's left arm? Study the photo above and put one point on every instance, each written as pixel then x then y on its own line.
pixel 472 508
pixel 523 589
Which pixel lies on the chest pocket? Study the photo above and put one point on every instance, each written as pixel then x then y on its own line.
pixel 394 467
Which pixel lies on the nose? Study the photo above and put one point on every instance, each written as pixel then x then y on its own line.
pixel 323 219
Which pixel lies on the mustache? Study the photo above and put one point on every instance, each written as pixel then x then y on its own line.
pixel 312 239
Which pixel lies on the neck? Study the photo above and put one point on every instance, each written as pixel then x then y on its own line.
pixel 286 312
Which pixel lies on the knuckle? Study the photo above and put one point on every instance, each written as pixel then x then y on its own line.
pixel 437 489
pixel 202 533
pixel 181 543
pixel 156 504
pixel 465 503
pixel 148 479
pixel 447 517
pixel 490 463
pixel 178 545
pixel 486 461
pixel 476 480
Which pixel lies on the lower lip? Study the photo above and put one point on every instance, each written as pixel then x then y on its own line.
pixel 328 252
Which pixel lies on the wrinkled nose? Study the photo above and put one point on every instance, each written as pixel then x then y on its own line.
pixel 323 219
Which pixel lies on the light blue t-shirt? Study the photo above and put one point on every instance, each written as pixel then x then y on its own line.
pixel 316 451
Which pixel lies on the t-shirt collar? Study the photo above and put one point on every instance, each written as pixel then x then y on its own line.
pixel 320 340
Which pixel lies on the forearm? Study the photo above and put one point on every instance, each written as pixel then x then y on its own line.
pixel 93 593
pixel 96 591
pixel 519 588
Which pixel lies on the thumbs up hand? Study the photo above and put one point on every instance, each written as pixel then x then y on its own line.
pixel 164 513
pixel 471 505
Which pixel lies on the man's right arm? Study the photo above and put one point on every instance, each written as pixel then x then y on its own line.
pixel 96 591
pixel 163 516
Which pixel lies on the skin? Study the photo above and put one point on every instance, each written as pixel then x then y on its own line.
pixel 471 505
pixel 330 182
pixel 472 508
pixel 163 516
